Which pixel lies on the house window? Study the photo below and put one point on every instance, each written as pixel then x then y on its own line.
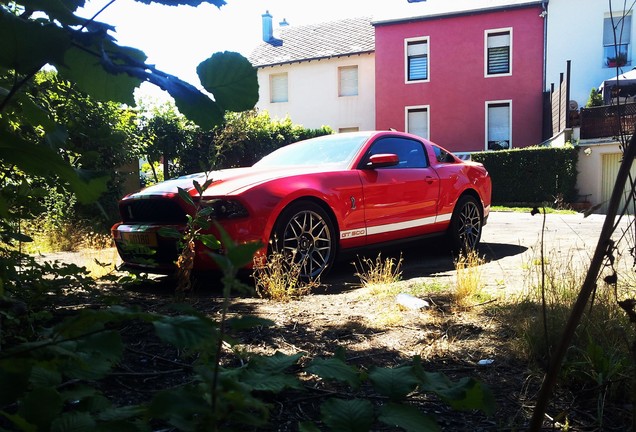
pixel 498 125
pixel 417 121
pixel 417 60
pixel 348 81
pixel 498 52
pixel 278 88
pixel 616 39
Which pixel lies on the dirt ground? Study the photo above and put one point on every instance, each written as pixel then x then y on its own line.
pixel 375 331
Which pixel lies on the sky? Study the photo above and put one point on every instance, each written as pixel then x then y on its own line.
pixel 177 39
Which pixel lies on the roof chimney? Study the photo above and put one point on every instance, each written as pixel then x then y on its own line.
pixel 268 29
pixel 283 23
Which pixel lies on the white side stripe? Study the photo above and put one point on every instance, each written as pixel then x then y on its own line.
pixel 380 229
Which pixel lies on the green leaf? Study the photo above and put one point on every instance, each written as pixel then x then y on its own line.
pixel 40 160
pixel 122 413
pixel 355 415
pixel 248 322
pixel 184 195
pixel 169 232
pixel 260 380
pixel 44 377
pixel 408 418
pixel 184 331
pixel 210 241
pixel 73 422
pixel 93 73
pixel 336 369
pixel 276 363
pixel 232 80
pixel 394 383
pixel 20 422
pixel 28 45
pixel 466 394
pixel 41 406
pixel 243 254
pixel 307 427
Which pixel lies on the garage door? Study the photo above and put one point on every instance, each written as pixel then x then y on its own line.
pixel 611 163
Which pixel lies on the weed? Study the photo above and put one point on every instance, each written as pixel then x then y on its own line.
pixel 378 274
pixel 278 278
pixel 468 279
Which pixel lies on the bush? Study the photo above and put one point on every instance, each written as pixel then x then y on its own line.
pixel 531 175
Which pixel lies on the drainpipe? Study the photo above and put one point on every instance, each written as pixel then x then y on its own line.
pixel 544 15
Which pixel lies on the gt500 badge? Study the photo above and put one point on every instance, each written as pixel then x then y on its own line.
pixel 353 233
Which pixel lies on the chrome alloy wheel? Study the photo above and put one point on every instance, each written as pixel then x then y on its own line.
pixel 308 238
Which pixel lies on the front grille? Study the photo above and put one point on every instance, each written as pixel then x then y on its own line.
pixel 152 210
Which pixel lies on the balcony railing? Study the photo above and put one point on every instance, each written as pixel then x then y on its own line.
pixel 606 121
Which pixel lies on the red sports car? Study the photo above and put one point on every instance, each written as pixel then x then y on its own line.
pixel 315 198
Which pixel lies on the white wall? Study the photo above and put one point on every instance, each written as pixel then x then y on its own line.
pixel 575 32
pixel 590 168
pixel 313 93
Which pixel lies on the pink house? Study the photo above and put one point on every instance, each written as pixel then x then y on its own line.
pixel 469 81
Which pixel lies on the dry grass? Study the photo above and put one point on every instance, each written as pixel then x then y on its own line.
pixel 276 279
pixel 468 285
pixel 378 274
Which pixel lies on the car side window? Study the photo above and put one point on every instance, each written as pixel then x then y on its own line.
pixel 410 152
pixel 443 156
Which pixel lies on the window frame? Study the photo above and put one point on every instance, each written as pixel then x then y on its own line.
pixel 492 103
pixel 495 32
pixel 404 162
pixel 414 41
pixel 341 78
pixel 414 108
pixel 609 47
pixel 272 87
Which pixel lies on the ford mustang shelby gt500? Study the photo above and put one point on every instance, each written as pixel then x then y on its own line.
pixel 312 199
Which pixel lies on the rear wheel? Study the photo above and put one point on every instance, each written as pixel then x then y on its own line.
pixel 305 235
pixel 466 224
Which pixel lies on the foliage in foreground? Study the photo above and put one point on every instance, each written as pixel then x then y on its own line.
pixel 51 379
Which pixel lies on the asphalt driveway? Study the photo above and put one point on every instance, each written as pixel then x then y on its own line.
pixel 511 246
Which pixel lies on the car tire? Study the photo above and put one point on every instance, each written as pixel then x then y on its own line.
pixel 466 224
pixel 305 235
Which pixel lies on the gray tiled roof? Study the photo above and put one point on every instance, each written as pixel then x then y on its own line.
pixel 316 41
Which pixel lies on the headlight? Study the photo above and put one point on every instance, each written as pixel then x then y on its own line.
pixel 224 209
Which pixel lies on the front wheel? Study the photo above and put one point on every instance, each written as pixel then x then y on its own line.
pixel 466 224
pixel 305 235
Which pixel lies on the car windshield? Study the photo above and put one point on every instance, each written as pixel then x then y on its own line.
pixel 336 150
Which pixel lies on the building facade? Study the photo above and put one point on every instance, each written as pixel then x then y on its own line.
pixel 469 81
pixel 318 75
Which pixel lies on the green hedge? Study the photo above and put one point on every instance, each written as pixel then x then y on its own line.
pixel 532 175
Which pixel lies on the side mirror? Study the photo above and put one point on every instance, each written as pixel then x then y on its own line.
pixel 381 160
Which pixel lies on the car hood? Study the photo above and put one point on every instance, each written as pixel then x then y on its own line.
pixel 224 182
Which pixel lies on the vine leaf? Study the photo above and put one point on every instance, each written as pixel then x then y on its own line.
pixel 232 80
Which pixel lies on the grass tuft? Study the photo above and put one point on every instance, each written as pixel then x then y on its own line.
pixel 277 279
pixel 468 280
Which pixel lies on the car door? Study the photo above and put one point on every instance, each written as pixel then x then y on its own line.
pixel 399 201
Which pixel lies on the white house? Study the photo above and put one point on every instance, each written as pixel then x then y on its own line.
pixel 318 75
pixel 590 34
